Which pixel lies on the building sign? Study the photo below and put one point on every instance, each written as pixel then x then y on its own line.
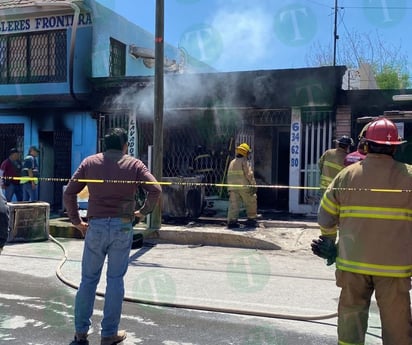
pixel 54 22
pixel 132 135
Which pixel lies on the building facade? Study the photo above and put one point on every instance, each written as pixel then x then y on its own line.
pixel 49 52
pixel 66 76
pixel 289 117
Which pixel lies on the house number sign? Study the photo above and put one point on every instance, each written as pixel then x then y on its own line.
pixel 294 145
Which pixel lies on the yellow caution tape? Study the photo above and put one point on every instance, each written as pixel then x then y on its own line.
pixel 200 184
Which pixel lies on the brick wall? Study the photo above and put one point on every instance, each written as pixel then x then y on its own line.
pixel 343 121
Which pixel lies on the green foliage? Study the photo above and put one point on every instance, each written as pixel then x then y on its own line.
pixel 387 59
pixel 391 78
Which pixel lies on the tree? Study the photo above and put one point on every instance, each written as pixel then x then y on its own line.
pixel 386 59
pixel 390 78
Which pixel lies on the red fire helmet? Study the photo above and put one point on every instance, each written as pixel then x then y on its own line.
pixel 383 131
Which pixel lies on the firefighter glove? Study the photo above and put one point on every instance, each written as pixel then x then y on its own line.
pixel 325 248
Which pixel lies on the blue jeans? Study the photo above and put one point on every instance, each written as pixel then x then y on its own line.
pixel 14 189
pixel 30 193
pixel 111 237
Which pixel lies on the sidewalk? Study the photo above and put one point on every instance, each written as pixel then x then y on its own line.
pixel 213 232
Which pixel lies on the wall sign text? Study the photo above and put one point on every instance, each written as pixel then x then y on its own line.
pixel 43 23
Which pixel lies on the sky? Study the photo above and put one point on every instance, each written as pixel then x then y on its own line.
pixel 240 35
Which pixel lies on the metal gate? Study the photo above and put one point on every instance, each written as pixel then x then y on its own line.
pixel 246 135
pixel 11 135
pixel 183 142
pixel 107 121
pixel 317 133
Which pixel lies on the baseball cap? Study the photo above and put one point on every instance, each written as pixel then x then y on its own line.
pixel 34 148
pixel 13 150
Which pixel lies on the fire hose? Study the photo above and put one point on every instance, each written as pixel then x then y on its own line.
pixel 234 311
pixel 73 285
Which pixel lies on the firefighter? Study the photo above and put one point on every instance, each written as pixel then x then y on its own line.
pixel 331 161
pixel 360 152
pixel 242 188
pixel 369 205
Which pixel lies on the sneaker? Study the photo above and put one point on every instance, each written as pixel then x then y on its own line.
pixel 114 339
pixel 233 225
pixel 81 338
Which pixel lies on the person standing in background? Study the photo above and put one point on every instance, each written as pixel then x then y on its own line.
pixel 4 221
pixel 360 152
pixel 109 231
pixel 31 170
pixel 331 161
pixel 242 188
pixel 356 156
pixel 10 168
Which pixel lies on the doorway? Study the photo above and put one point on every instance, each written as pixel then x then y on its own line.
pixel 55 166
pixel 272 155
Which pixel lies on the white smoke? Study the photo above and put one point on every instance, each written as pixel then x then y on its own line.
pixel 185 96
pixel 246 31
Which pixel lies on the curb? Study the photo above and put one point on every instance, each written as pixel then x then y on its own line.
pixel 206 235
pixel 212 238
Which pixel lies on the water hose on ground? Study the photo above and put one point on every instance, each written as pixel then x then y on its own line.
pixel 73 285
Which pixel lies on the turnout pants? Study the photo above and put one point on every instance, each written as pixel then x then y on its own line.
pixel 236 196
pixel 393 299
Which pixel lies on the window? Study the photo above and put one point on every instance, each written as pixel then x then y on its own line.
pixel 117 64
pixel 33 57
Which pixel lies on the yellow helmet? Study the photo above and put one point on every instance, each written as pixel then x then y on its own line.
pixel 243 149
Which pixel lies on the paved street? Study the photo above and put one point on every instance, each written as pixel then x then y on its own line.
pixel 201 295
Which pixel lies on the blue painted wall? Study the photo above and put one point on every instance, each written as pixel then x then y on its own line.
pixel 125 32
pixel 91 60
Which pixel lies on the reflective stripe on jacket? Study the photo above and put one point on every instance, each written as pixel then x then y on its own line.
pixel 330 164
pixel 30 163
pixel 369 205
pixel 240 173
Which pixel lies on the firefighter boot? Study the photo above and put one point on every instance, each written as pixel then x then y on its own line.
pixel 251 223
pixel 233 224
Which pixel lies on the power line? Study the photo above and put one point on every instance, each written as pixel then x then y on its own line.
pixel 378 8
pixel 351 41
pixel 335 32
pixel 363 7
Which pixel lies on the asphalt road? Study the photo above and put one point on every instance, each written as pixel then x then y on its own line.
pixel 39 311
pixel 37 308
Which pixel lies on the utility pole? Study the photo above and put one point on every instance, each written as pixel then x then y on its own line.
pixel 335 33
pixel 156 219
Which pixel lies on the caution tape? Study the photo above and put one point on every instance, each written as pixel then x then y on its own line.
pixel 202 184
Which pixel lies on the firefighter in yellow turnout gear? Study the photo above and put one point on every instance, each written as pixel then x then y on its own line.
pixel 369 206
pixel 242 188
pixel 332 161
